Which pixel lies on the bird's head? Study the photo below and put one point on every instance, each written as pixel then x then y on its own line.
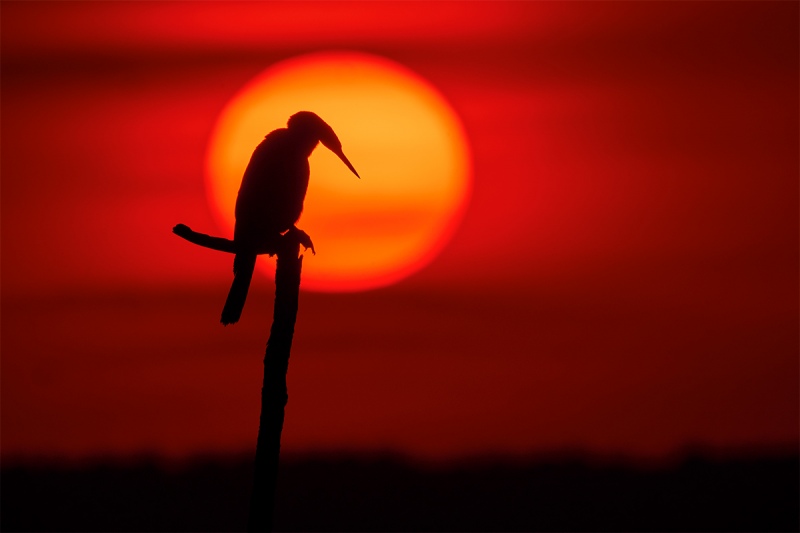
pixel 313 129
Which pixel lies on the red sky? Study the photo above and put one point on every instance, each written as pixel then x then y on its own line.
pixel 625 279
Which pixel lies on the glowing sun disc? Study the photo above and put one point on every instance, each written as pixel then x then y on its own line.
pixel 401 136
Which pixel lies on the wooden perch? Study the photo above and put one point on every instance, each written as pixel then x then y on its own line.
pixel 273 391
pixel 276 359
pixel 222 244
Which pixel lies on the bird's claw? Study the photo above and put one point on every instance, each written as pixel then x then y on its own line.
pixel 303 238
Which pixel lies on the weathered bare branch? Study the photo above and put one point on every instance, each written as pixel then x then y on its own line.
pixel 201 239
pixel 273 391
pixel 222 244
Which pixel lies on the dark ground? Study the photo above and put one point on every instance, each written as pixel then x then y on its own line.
pixel 354 493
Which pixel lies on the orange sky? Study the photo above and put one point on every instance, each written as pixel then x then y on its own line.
pixel 624 279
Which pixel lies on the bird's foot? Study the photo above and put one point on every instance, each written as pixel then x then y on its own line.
pixel 303 238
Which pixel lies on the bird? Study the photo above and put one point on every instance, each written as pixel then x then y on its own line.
pixel 271 197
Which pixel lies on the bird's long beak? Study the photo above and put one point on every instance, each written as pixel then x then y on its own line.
pixel 346 161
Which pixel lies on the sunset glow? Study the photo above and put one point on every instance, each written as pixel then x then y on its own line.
pixel 400 134
pixel 594 205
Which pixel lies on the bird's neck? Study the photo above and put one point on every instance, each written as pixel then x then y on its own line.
pixel 303 143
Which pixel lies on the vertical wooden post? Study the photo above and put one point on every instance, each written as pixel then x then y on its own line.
pixel 273 392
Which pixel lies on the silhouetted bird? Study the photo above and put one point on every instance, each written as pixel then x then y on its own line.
pixel 271 196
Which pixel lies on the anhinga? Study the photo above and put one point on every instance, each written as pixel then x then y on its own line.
pixel 271 196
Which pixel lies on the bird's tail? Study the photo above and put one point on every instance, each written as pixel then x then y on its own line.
pixel 243 266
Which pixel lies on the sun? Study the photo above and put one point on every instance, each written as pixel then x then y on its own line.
pixel 401 135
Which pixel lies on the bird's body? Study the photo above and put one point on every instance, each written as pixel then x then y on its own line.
pixel 271 196
pixel 273 189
